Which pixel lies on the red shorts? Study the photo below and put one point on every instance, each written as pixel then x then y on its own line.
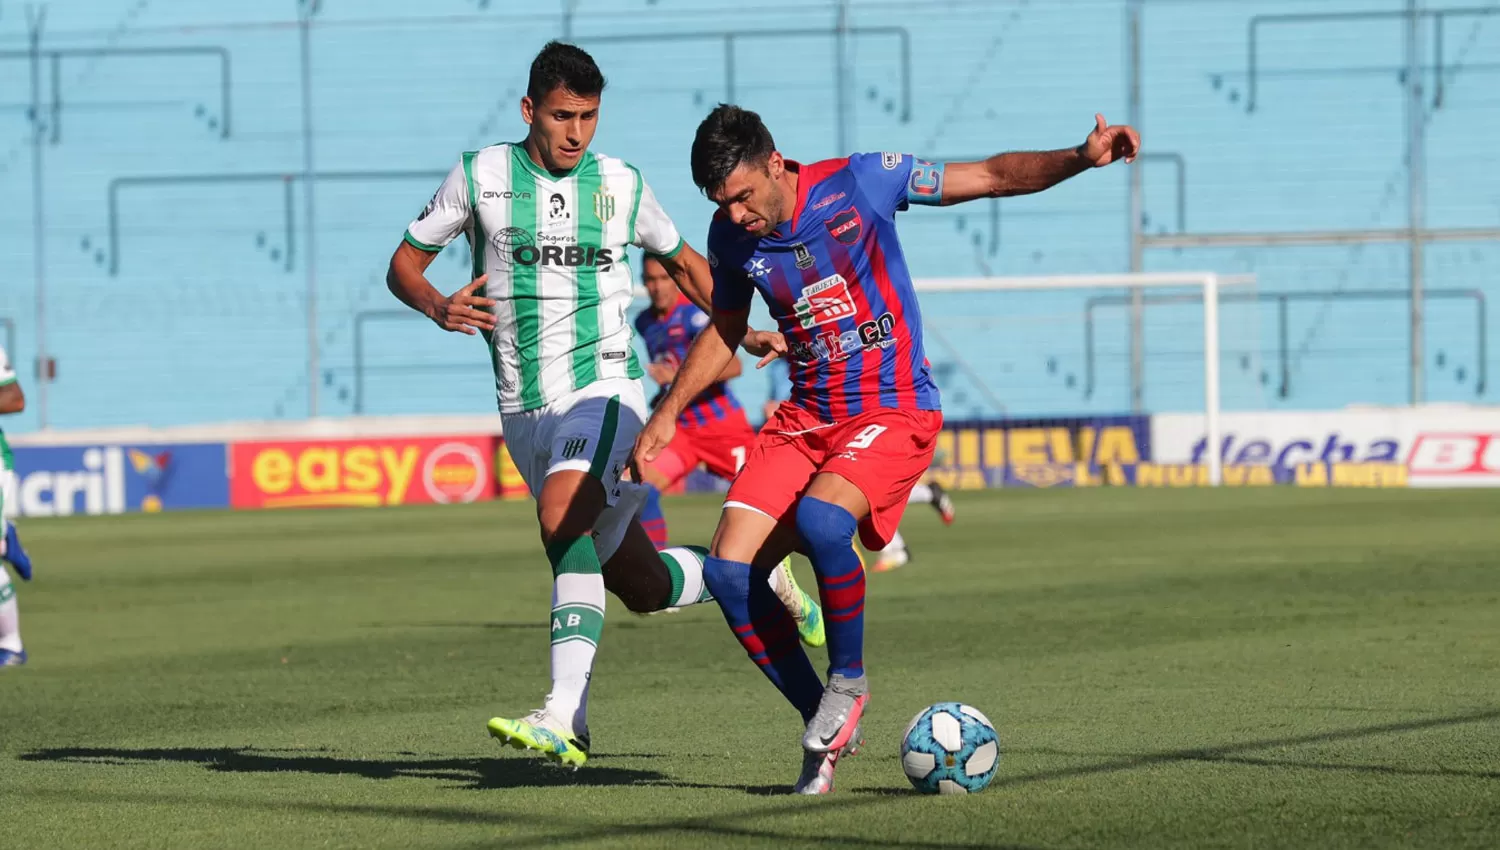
pixel 721 446
pixel 883 452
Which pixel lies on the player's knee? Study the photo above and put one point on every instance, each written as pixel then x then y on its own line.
pixel 563 522
pixel 569 505
pixel 726 579
pixel 825 526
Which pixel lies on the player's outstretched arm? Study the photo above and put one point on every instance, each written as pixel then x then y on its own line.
pixel 706 360
pixel 1023 173
pixel 461 311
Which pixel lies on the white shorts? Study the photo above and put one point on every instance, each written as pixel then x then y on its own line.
pixel 589 430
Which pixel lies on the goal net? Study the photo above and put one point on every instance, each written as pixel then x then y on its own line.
pixel 1094 349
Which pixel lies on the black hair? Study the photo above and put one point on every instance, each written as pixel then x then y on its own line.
pixel 728 137
pixel 556 197
pixel 567 66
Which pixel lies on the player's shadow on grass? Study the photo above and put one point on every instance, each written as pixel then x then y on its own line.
pixel 529 625
pixel 473 773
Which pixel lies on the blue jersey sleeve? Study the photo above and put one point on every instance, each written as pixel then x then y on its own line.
pixel 732 287
pixel 896 180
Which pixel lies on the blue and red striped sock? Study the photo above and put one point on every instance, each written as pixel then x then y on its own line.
pixel 652 518
pixel 828 530
pixel 764 628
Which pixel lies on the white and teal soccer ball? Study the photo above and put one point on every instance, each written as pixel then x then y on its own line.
pixel 950 748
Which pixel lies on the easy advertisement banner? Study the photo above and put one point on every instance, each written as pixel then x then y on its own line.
pixel 367 472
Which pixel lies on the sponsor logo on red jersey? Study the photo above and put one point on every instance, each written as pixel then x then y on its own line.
pixel 828 300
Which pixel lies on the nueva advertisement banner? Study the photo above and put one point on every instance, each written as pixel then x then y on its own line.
pixel 117 479
pixel 1042 452
pixel 365 472
pixel 1436 446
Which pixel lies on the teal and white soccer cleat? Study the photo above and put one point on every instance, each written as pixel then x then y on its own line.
pixel 542 732
pixel 803 608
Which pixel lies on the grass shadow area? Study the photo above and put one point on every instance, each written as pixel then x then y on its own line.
pixel 474 773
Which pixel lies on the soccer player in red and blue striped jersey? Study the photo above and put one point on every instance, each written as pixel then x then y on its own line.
pixel 818 241
pixel 712 429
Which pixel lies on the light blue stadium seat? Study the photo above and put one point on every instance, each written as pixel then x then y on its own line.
pixel 201 313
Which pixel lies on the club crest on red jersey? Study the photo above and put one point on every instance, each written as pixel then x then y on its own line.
pixel 845 226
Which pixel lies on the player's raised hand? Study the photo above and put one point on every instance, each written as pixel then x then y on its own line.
pixel 649 443
pixel 460 311
pixel 1110 142
pixel 767 345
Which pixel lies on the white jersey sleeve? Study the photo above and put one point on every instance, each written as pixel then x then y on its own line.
pixel 446 215
pixel 7 371
pixel 654 230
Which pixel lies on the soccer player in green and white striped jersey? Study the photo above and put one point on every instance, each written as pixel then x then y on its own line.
pixel 548 222
pixel 12 653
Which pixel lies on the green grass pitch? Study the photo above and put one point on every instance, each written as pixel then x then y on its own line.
pixel 1167 669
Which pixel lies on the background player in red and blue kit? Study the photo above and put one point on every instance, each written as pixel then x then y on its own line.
pixel 712 429
pixel 819 243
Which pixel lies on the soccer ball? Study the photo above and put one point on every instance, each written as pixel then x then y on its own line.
pixel 950 748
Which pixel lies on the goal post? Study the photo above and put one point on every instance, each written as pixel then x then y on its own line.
pixel 993 335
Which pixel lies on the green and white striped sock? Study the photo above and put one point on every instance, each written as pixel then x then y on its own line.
pixel 577 623
pixel 685 565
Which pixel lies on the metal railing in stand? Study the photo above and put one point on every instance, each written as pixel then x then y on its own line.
pixel 361 368
pixel 1438 15
pixel 729 37
pixel 55 56
pixel 286 178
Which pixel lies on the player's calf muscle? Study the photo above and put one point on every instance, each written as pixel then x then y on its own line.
pixel 636 575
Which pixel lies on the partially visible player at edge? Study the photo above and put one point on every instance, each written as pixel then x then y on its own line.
pixel 896 553
pixel 843 453
pixel 12 651
pixel 548 221
pixel 713 430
